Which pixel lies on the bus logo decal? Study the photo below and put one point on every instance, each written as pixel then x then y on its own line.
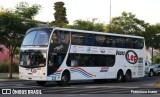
pixel 82 71
pixel 131 57
pixel 33 70
pixel 104 69
pixel 102 50
pixel 120 52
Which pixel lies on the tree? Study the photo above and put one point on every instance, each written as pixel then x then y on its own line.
pixel 1 49
pixel 156 59
pixel 87 25
pixel 26 11
pixel 152 36
pixel 59 15
pixel 12 29
pixel 128 24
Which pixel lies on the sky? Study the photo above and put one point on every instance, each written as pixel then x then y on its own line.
pixel 147 10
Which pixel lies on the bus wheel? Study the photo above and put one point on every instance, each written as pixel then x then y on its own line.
pixel 128 76
pixel 64 79
pixel 120 76
pixel 41 83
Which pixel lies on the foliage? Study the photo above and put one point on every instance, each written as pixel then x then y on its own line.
pixel 27 12
pixel 1 49
pixel 152 36
pixel 87 25
pixel 156 59
pixel 13 25
pixel 59 15
pixel 128 24
pixel 4 67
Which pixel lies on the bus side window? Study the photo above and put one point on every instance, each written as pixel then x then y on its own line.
pixel 64 37
pixel 140 43
pixel 92 42
pixel 122 42
pixel 77 39
pixel 100 40
pixel 113 41
pixel 117 42
pixel 74 39
pixel 55 38
pixel 86 39
pixel 108 42
pixel 129 43
pixel 89 40
pixel 74 62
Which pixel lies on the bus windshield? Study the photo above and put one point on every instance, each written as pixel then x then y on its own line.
pixel 36 38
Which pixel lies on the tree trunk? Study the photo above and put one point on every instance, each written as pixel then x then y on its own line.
pixel 10 68
pixel 10 65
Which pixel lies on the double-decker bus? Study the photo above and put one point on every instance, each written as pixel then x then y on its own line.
pixel 61 55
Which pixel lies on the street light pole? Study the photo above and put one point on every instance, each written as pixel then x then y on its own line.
pixel 110 17
pixel 110 12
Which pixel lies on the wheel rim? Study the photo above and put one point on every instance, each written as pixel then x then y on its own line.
pixel 151 73
pixel 120 77
pixel 64 78
pixel 128 76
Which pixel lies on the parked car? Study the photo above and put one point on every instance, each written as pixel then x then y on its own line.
pixel 152 69
pixel 157 69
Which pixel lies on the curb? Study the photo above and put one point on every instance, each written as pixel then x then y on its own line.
pixel 3 80
pixel 156 84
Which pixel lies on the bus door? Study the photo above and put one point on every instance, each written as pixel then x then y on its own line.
pixel 59 43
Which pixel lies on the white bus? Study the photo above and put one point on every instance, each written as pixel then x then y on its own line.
pixel 61 55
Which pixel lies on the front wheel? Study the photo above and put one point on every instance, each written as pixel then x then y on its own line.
pixel 64 79
pixel 41 83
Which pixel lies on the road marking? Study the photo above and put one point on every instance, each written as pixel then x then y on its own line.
pixel 109 87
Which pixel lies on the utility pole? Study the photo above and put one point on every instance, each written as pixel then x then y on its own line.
pixel 110 17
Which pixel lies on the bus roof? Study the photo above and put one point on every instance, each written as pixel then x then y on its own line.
pixel 92 32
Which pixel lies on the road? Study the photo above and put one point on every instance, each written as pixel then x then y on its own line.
pixel 89 87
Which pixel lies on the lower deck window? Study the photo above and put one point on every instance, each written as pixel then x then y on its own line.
pixel 87 60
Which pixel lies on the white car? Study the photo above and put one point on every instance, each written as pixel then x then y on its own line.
pixel 152 69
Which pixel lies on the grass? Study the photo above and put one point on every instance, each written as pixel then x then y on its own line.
pixel 6 77
pixel 4 67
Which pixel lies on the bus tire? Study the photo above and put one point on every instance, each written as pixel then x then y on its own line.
pixel 64 79
pixel 120 76
pixel 41 83
pixel 128 76
pixel 151 73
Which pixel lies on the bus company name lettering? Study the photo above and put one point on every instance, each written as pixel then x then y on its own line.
pixel 120 52
pixel 130 55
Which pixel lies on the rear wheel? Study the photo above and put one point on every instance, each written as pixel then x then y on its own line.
pixel 41 83
pixel 128 76
pixel 120 76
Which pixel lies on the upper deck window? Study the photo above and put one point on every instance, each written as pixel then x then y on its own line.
pixel 37 38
